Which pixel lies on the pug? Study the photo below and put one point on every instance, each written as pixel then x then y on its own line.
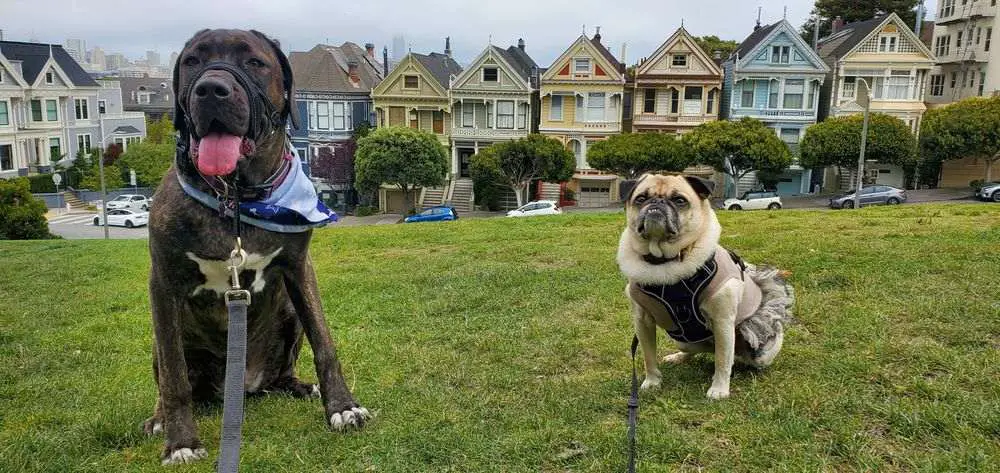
pixel 704 296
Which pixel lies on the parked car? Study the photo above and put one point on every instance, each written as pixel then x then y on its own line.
pixel 124 218
pixel 538 207
pixel 130 201
pixel 434 214
pixel 870 195
pixel 989 191
pixel 754 201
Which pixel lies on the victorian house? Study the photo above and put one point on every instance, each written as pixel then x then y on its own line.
pixel 887 56
pixel 581 102
pixel 775 77
pixel 415 94
pixel 333 86
pixel 493 100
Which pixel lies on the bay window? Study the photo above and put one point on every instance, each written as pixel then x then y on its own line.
pixel 468 115
pixel 323 115
pixel 505 115
pixel 595 106
pixel 522 116
pixel 794 91
pixel 51 110
pixel 772 97
pixel 556 108
pixel 746 96
pixel 338 116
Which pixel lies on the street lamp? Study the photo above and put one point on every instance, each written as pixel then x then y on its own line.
pixel 864 99
pixel 104 190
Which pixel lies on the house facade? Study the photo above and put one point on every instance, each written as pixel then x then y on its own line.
pixel 50 109
pixel 775 77
pixel 333 86
pixel 891 59
pixel 493 100
pixel 581 103
pixel 153 96
pixel 415 94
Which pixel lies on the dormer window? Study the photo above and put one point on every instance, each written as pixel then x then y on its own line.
pixel 411 82
pixel 679 60
pixel 780 54
pixel 490 74
pixel 49 78
pixel 887 43
pixel 581 65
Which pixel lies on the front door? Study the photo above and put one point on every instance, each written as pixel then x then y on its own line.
pixel 464 155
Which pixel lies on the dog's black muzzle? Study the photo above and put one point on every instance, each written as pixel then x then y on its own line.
pixel 262 116
pixel 658 219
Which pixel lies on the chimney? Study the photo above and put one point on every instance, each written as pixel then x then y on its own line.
pixel 447 46
pixel 757 26
pixel 352 70
pixel 370 50
pixel 520 44
pixel 597 35
pixel 385 61
pixel 717 55
pixel 624 50
pixel 837 25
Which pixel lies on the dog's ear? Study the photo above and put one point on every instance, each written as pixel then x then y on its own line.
pixel 703 187
pixel 627 188
pixel 290 111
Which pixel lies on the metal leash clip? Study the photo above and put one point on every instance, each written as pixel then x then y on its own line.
pixel 237 259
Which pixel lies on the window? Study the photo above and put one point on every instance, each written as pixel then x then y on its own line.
pixel 82 112
pixel 779 54
pixel 411 82
pixel 675 98
pixel 102 107
pixel 505 115
pixel 965 77
pixel 556 108
pixel 55 151
pixel 36 110
pixel 6 158
pixel 979 35
pixel 812 96
pixel 339 122
pixel 942 45
pixel 897 85
pixel 4 114
pixel 51 110
pixel 972 79
pixel 954 79
pixel 581 65
pixel 649 101
pixel 887 43
pixel 323 115
pixel 746 97
pixel 679 60
pixel 490 74
pixel 49 78
pixel 312 115
pixel 83 143
pixel 948 8
pixel 937 85
pixel 437 121
pixel 794 92
pixel 772 97
pixel 144 99
pixel 711 101
pixel 982 82
pixel 468 115
pixel 958 39
pixel 595 106
pixel 989 34
pixel 522 116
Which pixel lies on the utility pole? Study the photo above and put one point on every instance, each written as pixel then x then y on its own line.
pixel 865 100
pixel 104 189
pixel 920 18
pixel 816 34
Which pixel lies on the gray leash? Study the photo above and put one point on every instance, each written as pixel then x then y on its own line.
pixel 633 409
pixel 237 301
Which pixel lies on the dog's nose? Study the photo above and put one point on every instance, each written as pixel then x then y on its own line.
pixel 212 87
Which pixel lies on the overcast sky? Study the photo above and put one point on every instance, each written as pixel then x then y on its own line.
pixel 548 26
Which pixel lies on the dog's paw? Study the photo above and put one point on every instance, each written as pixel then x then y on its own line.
pixel 152 426
pixel 717 392
pixel 184 455
pixel 677 358
pixel 650 383
pixel 314 392
pixel 351 418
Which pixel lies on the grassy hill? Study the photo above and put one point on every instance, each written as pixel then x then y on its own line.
pixel 493 345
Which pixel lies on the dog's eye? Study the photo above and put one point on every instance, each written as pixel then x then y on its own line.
pixel 640 199
pixel 191 61
pixel 254 62
pixel 680 201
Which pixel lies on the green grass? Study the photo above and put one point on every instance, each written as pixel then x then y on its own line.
pixel 492 345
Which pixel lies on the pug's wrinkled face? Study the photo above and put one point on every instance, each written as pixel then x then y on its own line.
pixel 669 208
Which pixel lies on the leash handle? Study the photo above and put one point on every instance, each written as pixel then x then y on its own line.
pixel 232 410
pixel 633 408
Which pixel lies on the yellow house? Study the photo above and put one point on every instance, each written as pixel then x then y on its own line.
pixel 581 102
pixel 415 94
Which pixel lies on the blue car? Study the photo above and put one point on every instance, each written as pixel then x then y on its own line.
pixel 433 214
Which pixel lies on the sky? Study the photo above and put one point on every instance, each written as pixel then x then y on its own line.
pixel 548 26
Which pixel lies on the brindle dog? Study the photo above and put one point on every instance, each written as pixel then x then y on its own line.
pixel 190 244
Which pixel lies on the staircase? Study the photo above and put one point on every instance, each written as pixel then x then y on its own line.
pixel 461 195
pixel 434 196
pixel 74 202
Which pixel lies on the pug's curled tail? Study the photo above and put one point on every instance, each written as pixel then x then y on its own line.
pixel 766 325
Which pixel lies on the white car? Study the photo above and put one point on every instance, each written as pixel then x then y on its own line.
pixel 754 201
pixel 990 191
pixel 130 201
pixel 124 218
pixel 538 207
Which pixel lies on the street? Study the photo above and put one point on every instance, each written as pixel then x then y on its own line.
pixel 80 226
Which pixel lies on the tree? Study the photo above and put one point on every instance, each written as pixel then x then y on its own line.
pixel 630 155
pixel 404 157
pixel 836 141
pixel 160 131
pixel 736 148
pixel 149 160
pixel 711 44
pixel 519 163
pixel 969 128
pixel 487 182
pixel 22 216
pixel 852 10
pixel 90 172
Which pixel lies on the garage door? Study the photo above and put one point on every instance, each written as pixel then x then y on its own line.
pixel 594 195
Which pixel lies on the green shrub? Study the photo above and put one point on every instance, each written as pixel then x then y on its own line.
pixel 41 184
pixel 977 184
pixel 365 210
pixel 22 216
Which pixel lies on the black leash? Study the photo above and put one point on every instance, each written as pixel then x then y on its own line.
pixel 633 408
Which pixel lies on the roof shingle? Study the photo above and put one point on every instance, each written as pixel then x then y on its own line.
pixel 33 57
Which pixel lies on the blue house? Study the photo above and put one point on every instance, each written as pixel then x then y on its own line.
pixel 775 77
pixel 332 95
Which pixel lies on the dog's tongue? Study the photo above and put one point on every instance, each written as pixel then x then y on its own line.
pixel 218 153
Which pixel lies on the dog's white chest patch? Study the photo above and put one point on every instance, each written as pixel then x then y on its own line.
pixel 216 272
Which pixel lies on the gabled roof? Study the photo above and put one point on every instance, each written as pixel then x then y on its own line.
pixel 520 65
pixel 34 56
pixel 325 68
pixel 681 35
pixel 847 40
pixel 745 52
pixel 441 66
pixel 602 53
pixel 523 60
pixel 754 39
pixel 596 41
